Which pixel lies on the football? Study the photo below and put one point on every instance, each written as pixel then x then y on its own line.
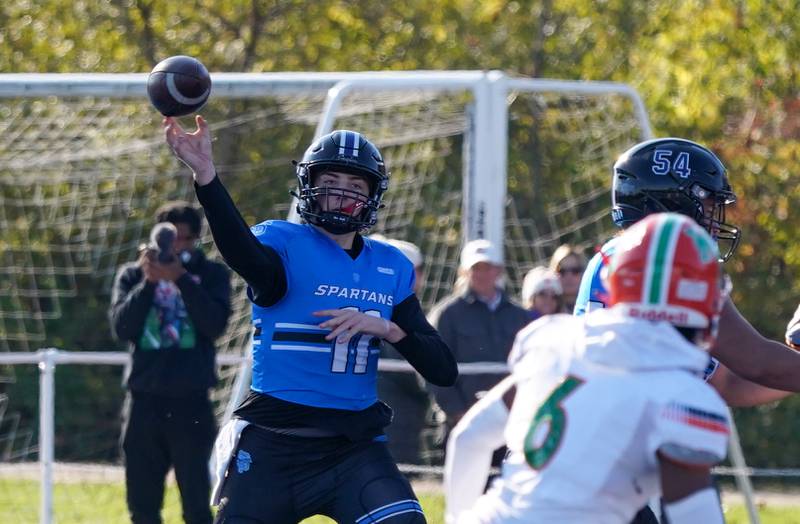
pixel 178 85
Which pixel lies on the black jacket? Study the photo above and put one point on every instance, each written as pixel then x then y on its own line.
pixel 173 372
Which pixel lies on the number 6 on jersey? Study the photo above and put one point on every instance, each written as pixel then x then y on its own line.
pixel 547 428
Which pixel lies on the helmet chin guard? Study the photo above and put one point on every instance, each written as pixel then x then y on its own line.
pixel 329 212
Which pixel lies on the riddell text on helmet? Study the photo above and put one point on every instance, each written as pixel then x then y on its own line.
pixel 679 318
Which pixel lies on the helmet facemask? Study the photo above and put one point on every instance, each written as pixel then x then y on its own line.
pixel 337 210
pixel 713 220
pixel 341 210
pixel 706 207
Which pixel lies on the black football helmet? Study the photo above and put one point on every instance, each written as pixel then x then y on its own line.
pixel 673 174
pixel 348 152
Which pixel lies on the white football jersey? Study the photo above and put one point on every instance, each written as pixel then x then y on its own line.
pixel 597 397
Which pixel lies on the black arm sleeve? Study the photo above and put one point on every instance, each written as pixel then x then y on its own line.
pixel 422 346
pixel 209 303
pixel 259 265
pixel 131 299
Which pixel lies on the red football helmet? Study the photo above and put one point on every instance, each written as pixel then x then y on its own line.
pixel 666 267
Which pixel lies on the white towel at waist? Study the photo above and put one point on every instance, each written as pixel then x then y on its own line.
pixel 224 448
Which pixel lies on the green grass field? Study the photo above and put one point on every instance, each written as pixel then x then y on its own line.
pixel 79 503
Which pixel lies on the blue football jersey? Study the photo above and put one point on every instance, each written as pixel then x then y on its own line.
pixel 291 358
pixel 592 293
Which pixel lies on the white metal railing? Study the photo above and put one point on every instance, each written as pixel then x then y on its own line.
pixel 48 359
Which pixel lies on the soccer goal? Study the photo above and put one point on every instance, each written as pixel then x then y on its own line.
pixel 83 166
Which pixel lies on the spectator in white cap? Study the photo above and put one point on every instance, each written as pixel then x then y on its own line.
pixel 480 268
pixel 478 321
pixel 541 292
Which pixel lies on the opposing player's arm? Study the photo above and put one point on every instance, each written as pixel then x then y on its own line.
pixel 754 357
pixel 740 392
pixel 687 493
pixel 679 480
pixel 470 446
pixel 690 435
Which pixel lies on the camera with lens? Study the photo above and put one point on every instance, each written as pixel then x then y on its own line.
pixel 162 241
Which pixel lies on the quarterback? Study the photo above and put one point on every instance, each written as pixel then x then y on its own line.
pixel 309 437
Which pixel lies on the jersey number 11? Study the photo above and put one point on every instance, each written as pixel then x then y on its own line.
pixel 360 347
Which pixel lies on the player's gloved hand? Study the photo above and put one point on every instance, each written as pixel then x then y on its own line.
pixel 193 149
pixel 345 323
pixel 793 331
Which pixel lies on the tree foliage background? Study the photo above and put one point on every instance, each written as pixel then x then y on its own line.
pixel 721 72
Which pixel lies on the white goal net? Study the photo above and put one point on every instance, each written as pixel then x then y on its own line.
pixel 83 167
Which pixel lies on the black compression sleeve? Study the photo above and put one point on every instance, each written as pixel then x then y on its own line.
pixel 259 265
pixel 423 347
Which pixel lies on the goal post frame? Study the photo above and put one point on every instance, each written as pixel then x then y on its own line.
pixel 486 167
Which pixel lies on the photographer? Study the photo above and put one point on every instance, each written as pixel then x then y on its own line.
pixel 170 305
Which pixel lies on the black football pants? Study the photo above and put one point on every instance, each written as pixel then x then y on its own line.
pixel 282 479
pixel 165 432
